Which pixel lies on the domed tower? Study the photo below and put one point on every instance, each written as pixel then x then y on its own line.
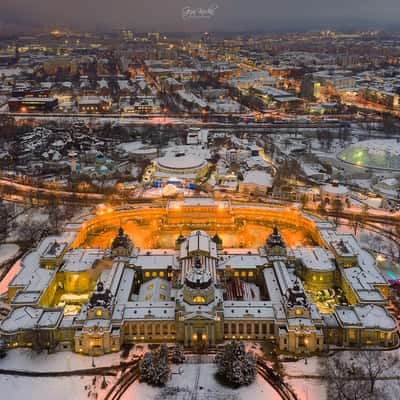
pixel 179 240
pixel 122 244
pixel 218 241
pixel 275 245
pixel 200 305
pixel 198 284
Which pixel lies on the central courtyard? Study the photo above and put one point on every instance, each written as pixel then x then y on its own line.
pixel 238 226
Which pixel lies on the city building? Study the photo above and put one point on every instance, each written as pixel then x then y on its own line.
pixel 256 183
pixel 197 136
pixel 331 193
pixel 93 104
pixel 29 104
pixel 198 292
pixel 310 88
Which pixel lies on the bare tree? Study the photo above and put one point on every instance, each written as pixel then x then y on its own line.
pixel 337 208
pixel 55 212
pixel 375 364
pixel 337 372
pixel 356 377
pixel 31 231
pixel 5 216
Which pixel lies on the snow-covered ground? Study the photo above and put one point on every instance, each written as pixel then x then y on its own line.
pixel 316 389
pixel 308 389
pixel 7 252
pixel 28 360
pixel 186 379
pixel 200 378
pixel 16 388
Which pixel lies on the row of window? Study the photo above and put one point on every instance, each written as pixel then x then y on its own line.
pixel 248 328
pixel 155 274
pixel 149 329
pixel 243 274
pixel 162 274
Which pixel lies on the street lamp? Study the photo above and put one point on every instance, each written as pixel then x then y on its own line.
pixel 91 351
pixel 306 343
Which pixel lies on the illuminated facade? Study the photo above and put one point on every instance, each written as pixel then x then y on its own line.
pixel 198 290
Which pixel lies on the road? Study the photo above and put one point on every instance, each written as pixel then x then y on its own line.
pixel 22 193
pixel 232 121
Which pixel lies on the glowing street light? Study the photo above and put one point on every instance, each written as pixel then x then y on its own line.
pixel 380 258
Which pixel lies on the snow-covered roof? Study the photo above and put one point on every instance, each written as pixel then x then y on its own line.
pixel 259 178
pixel 241 261
pixel 336 190
pixel 366 316
pixel 54 249
pixel 78 260
pixel 29 318
pixel 189 162
pixel 234 310
pixel 136 147
pixel 154 260
pixel 150 310
pixel 315 258
pixel 272 284
pixel 198 241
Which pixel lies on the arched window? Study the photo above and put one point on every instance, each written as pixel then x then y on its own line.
pixel 199 299
pixel 165 329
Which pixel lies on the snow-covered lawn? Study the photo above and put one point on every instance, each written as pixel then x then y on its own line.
pixel 7 252
pixel 310 389
pixel 185 380
pixel 303 367
pixel 316 389
pixel 201 378
pixel 16 388
pixel 28 360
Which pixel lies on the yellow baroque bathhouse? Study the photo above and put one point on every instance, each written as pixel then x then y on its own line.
pixel 198 272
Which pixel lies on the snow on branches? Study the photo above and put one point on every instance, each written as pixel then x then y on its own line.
pixel 236 365
pixel 154 368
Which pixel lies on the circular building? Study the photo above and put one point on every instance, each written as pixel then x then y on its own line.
pixel 374 154
pixel 180 170
pixel 181 165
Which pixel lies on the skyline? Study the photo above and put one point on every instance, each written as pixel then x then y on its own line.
pixel 196 16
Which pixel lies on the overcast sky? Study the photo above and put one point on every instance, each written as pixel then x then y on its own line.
pixel 227 15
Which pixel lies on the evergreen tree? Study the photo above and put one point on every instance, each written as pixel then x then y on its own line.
pixel 154 368
pixel 236 365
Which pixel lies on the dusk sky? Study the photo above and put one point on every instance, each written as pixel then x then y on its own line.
pixel 225 15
